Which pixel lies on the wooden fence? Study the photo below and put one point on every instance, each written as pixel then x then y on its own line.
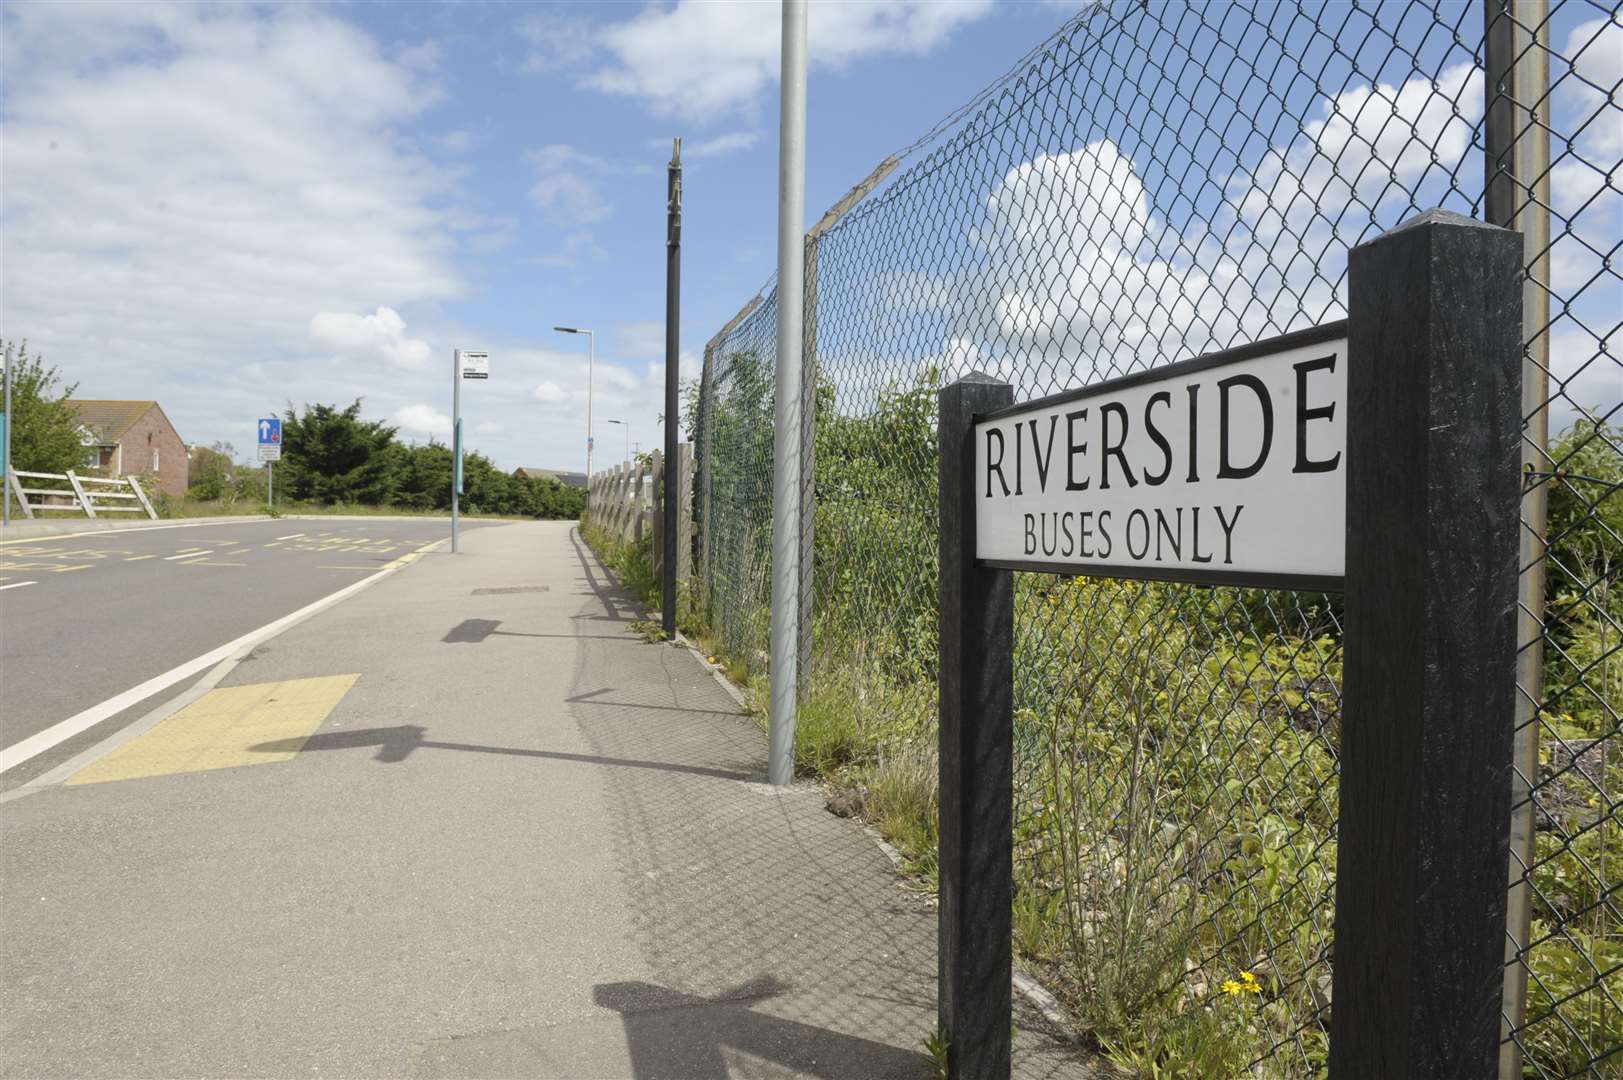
pixel 75 494
pixel 628 502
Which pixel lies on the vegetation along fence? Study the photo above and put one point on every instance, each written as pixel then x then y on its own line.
pixel 626 503
pixel 1155 182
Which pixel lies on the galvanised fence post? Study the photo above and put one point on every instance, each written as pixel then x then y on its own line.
pixel 1433 499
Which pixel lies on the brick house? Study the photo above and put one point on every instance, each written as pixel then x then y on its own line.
pixel 568 479
pixel 133 438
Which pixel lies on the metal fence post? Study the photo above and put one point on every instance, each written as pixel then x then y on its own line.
pixel 787 406
pixel 976 758
pixel 1434 332
pixel 1517 196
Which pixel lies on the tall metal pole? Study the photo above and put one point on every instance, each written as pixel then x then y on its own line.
pixel 456 442
pixel 591 362
pixel 787 404
pixel 5 473
pixel 1517 174
pixel 270 484
pixel 673 319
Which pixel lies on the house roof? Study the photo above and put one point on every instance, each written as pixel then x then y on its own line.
pixel 109 420
pixel 572 479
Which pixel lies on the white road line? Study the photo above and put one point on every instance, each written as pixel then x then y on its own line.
pixel 290 536
pixel 17 585
pixel 187 555
pixel 60 732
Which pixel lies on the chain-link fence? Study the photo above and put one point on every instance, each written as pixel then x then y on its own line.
pixel 1152 183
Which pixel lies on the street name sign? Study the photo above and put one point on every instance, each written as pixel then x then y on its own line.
pixel 270 439
pixel 1229 469
pixel 473 364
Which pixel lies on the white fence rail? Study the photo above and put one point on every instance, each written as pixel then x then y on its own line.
pixel 92 496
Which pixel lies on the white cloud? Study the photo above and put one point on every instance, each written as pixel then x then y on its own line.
pixel 423 420
pixel 1371 144
pixel 641 339
pixel 555 40
pixel 1595 52
pixel 379 336
pixel 549 393
pixel 730 143
pixel 566 186
pixel 187 185
pixel 705 60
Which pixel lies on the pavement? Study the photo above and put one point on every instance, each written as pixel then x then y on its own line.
pixel 461 824
pixel 86 617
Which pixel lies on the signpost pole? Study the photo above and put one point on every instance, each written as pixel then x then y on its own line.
pixel 1433 455
pixel 456 441
pixel 5 463
pixel 673 317
pixel 976 757
pixel 270 484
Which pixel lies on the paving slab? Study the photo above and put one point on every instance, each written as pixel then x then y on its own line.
pixel 524 842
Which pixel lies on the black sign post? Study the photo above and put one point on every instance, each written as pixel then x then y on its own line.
pixel 1432 430
pixel 1433 500
pixel 977 760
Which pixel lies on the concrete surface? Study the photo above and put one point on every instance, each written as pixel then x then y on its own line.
pixel 523 843
pixel 84 618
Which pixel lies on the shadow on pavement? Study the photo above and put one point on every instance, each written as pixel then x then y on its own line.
pixel 611 597
pixel 396 744
pixel 674 1034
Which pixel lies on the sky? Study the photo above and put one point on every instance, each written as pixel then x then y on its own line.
pixel 231 208
pixel 235 208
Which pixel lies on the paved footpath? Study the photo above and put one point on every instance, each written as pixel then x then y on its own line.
pixel 461 824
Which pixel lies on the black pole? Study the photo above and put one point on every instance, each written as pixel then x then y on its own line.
pixel 976 752
pixel 674 490
pixel 1433 455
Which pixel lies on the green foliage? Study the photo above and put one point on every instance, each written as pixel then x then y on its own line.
pixel 332 457
pixel 1175 749
pixel 44 429
pixel 1583 672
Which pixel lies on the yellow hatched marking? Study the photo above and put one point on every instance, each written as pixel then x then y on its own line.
pixel 221 729
pixel 193 561
pixel 138 558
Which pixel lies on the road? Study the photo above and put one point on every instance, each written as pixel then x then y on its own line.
pixel 88 617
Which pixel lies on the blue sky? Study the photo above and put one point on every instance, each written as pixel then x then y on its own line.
pixel 230 207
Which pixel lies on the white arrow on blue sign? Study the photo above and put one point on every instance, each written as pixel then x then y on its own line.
pixel 270 439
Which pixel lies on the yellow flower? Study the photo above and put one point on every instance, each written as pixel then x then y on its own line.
pixel 712 659
pixel 1248 976
pixel 1230 987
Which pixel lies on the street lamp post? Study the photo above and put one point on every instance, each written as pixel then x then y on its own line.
pixel 627 427
pixel 591 362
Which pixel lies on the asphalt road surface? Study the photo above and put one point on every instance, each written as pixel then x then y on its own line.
pixel 88 617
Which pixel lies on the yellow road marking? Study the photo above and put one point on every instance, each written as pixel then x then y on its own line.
pixel 212 562
pixel 138 558
pixel 239 551
pixel 221 730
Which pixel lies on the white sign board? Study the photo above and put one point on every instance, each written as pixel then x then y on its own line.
pixel 1228 469
pixel 473 365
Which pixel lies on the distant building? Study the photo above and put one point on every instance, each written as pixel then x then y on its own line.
pixel 569 479
pixel 133 438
